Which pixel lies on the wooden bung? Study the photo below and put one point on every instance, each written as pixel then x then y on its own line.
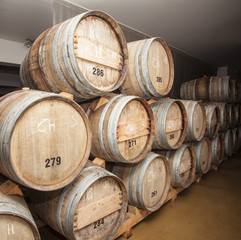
pixel 45 139
pixel 170 123
pixel 217 146
pixel 86 56
pixel 150 69
pixel 93 207
pixel 147 182
pixel 123 128
pixel 203 154
pixel 182 164
pixel 196 120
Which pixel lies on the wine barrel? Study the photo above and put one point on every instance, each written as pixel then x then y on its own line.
pixel 231 115
pixel 239 130
pixel 220 89
pixel 235 91
pixel 92 207
pixel 196 120
pixel 217 146
pixel 228 143
pixel 30 72
pixel 237 114
pixel 195 89
pixel 236 138
pixel 147 182
pixel 150 69
pixel 182 164
pixel 123 128
pixel 86 56
pixel 213 120
pixel 203 153
pixel 16 221
pixel 170 123
pixel 45 139
pixel 223 108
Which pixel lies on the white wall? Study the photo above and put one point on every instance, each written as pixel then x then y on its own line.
pixel 12 52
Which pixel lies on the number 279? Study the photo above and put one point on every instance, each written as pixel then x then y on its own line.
pixel 50 162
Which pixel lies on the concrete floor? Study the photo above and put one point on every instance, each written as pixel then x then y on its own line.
pixel 209 210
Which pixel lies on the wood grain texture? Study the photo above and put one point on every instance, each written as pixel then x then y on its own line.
pixel 182 164
pixel 92 207
pixel 196 120
pixel 16 221
pixel 147 182
pixel 45 139
pixel 213 120
pixel 217 146
pixel 228 142
pixel 86 56
pixel 203 154
pixel 171 123
pixel 123 128
pixel 151 70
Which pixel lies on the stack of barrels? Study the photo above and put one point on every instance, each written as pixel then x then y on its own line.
pixel 149 141
pixel 67 114
pixel 221 97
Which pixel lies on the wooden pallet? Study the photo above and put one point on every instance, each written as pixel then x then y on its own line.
pixel 135 215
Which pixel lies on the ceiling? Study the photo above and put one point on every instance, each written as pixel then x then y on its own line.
pixel 207 29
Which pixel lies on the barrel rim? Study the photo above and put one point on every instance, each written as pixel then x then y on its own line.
pixel 112 126
pixel 93 177
pixel 161 119
pixel 176 164
pixel 145 71
pixel 20 176
pixel 121 38
pixel 198 153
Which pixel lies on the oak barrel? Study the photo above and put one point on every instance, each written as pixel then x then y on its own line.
pixel 231 115
pixel 86 56
pixel 228 142
pixel 217 146
pixel 220 89
pixel 170 123
pixel 237 114
pixel 45 139
pixel 224 120
pixel 123 128
pixel 203 154
pixel 182 164
pixel 239 130
pixel 196 89
pixel 16 221
pixel 196 120
pixel 236 138
pixel 147 182
pixel 92 207
pixel 150 69
pixel 213 120
pixel 235 91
